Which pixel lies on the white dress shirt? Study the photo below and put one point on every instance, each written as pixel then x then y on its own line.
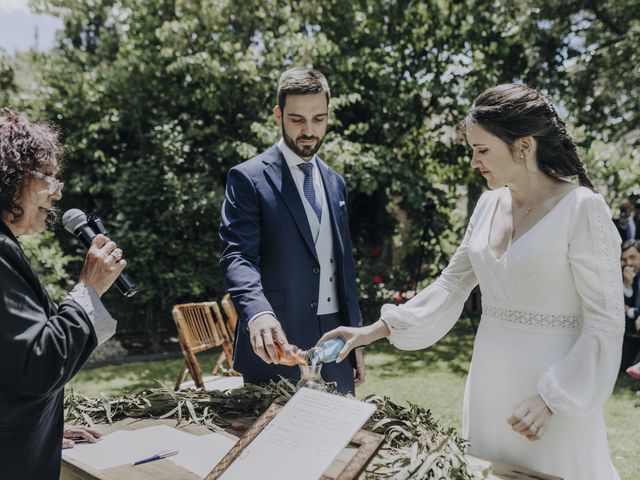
pixel 88 299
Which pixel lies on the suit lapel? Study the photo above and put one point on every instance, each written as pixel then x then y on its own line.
pixel 279 174
pixel 332 194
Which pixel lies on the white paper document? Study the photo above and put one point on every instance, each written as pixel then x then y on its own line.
pixel 221 383
pixel 203 452
pixel 303 439
pixel 199 454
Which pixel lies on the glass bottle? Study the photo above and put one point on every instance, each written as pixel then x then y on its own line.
pixel 325 352
pixel 296 357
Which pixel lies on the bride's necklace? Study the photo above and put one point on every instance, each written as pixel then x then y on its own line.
pixel 526 213
pixel 515 227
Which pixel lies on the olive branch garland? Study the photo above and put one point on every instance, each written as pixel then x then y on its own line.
pixel 415 446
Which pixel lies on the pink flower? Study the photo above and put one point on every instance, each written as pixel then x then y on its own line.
pixel 399 298
pixel 378 279
pixel 375 251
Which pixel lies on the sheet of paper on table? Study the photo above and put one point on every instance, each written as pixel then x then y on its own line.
pixel 203 453
pixel 218 382
pixel 303 439
pixel 199 454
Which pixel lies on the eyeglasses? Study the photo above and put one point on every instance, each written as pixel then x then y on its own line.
pixel 55 185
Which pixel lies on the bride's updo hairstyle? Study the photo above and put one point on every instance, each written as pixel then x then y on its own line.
pixel 511 111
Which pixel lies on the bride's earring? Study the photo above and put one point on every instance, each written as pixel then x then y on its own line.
pixel 523 159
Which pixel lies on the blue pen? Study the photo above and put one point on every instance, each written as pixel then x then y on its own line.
pixel 157 456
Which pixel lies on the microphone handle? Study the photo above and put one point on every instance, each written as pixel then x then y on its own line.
pixel 85 234
pixel 126 285
pixel 124 282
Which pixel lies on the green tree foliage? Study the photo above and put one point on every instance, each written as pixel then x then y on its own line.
pixel 50 262
pixel 597 45
pixel 7 79
pixel 596 76
pixel 157 99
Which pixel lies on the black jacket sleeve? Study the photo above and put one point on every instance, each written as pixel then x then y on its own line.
pixel 40 348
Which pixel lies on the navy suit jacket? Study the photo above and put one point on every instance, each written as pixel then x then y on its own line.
pixel 269 256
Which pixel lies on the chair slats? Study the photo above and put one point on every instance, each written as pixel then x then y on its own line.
pixel 201 327
pixel 230 312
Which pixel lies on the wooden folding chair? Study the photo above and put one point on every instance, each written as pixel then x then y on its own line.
pixel 197 332
pixel 227 346
pixel 230 312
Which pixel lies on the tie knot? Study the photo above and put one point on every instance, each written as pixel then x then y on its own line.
pixel 307 168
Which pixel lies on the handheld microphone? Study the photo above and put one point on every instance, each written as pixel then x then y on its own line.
pixel 85 229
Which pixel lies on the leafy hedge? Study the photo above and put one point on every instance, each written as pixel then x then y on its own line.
pixel 157 99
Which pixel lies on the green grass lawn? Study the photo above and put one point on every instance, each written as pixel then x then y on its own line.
pixel 433 378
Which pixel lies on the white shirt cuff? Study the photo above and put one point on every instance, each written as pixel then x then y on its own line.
pixel 257 315
pixel 103 323
pixel 628 292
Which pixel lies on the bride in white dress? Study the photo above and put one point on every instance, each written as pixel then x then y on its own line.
pixel 546 255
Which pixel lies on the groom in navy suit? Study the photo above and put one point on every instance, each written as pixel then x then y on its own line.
pixel 287 251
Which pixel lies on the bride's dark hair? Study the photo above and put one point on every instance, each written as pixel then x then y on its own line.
pixel 511 111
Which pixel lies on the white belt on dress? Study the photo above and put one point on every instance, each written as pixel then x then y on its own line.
pixel 533 321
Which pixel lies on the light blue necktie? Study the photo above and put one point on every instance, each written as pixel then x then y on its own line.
pixel 309 190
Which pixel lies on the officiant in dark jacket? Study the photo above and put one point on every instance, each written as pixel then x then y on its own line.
pixel 41 345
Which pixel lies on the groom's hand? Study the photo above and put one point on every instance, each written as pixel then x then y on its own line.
pixel 265 332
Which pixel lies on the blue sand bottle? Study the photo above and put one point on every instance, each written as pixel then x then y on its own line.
pixel 326 352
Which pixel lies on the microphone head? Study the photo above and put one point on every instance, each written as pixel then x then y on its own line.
pixel 72 219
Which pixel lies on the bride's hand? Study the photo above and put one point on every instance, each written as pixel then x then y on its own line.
pixel 355 337
pixel 531 418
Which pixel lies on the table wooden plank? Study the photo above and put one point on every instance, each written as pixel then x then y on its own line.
pixel 165 469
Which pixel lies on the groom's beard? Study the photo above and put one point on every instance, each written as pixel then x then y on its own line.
pixel 304 151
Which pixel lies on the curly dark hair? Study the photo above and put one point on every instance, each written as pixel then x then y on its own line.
pixel 511 111
pixel 24 146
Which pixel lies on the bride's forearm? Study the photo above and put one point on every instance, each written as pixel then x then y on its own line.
pixel 376 331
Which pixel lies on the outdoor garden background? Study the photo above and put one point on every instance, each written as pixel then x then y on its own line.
pixel 156 100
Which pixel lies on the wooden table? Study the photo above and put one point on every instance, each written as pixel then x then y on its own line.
pixel 165 469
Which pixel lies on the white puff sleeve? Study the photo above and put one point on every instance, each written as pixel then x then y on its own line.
pixel 584 379
pixel 428 316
